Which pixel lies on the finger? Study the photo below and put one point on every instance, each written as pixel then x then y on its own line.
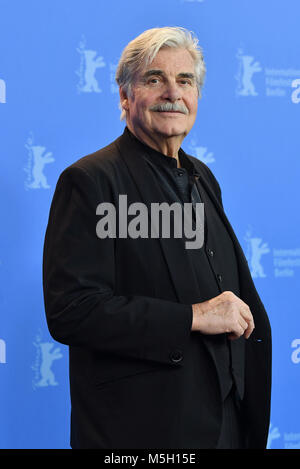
pixel 249 330
pixel 244 324
pixel 239 329
pixel 246 332
pixel 247 322
pixel 247 315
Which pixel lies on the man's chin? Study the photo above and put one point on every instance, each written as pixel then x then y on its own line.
pixel 167 131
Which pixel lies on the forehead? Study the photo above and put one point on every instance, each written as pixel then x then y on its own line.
pixel 172 60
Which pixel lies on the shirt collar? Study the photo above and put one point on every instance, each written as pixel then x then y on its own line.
pixel 163 160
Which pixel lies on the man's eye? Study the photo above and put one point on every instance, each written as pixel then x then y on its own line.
pixel 185 82
pixel 153 80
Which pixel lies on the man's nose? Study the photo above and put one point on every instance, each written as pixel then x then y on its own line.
pixel 172 92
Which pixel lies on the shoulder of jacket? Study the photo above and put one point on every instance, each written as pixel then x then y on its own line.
pixel 101 163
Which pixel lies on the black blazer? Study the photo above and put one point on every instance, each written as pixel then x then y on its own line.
pixel 123 306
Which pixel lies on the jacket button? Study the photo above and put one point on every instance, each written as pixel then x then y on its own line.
pixel 211 252
pixel 219 277
pixel 176 356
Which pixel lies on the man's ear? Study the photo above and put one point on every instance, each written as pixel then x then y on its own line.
pixel 123 99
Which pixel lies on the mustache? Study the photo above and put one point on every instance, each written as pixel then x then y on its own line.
pixel 177 107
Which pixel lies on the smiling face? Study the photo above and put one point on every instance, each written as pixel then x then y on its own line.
pixel 164 98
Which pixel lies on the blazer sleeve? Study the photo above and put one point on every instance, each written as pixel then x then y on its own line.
pixel 78 282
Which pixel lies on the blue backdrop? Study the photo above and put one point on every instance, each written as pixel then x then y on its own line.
pixel 59 102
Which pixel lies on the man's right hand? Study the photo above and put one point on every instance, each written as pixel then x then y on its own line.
pixel 226 313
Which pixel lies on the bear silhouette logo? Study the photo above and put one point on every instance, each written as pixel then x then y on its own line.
pixel 247 68
pixel 45 356
pixel 37 160
pixel 255 251
pixel 89 63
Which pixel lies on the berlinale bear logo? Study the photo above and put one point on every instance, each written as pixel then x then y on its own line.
pixel 45 356
pixel 247 68
pixel 89 63
pixel 37 159
pixel 256 248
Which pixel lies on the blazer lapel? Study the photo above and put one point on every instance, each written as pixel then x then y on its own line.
pixel 178 262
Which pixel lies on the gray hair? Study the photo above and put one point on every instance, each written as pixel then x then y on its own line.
pixel 142 50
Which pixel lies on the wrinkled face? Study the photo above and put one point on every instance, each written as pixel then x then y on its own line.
pixel 164 98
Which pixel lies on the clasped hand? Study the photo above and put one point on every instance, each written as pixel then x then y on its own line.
pixel 226 313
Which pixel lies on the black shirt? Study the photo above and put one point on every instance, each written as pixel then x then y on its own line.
pixel 214 264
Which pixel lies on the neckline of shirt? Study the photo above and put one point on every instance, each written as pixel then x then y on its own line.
pixel 162 159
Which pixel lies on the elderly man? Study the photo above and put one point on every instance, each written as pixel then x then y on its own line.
pixel 170 347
